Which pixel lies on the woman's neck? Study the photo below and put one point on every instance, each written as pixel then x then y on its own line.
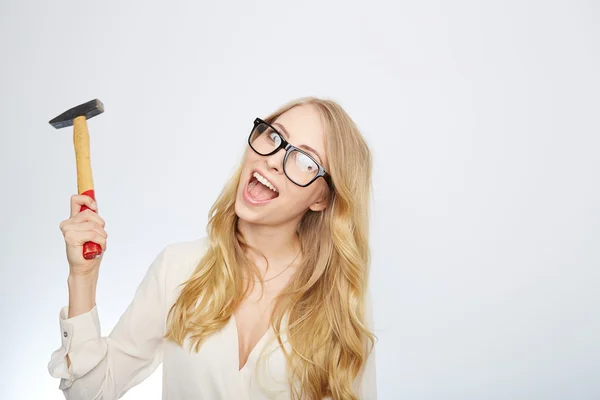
pixel 279 244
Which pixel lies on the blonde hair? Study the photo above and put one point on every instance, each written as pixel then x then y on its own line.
pixel 325 299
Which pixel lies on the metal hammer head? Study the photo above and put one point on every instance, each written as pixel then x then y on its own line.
pixel 88 110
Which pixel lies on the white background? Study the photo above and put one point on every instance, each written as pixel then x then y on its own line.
pixel 484 122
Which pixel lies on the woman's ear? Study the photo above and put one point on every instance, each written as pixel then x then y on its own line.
pixel 322 202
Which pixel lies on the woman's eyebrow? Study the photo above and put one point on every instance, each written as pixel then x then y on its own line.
pixel 302 146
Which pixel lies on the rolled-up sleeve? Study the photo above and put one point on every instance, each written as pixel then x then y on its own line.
pixel 107 367
pixel 82 341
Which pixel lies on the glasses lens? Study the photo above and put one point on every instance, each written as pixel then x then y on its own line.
pixel 264 139
pixel 300 168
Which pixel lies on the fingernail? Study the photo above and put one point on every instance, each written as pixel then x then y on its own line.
pixel 93 205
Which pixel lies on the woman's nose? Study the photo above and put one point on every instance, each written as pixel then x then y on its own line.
pixel 275 161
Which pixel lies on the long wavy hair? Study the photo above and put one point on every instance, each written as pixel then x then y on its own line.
pixel 325 299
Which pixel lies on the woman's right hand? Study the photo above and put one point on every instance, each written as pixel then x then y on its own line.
pixel 82 227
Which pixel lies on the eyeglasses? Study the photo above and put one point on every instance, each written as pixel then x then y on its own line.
pixel 299 166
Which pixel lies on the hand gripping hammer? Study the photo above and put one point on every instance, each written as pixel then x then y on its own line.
pixel 77 117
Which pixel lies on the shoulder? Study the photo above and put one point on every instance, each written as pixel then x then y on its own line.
pixel 190 250
pixel 179 259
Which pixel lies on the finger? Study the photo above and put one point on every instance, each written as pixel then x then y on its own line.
pixel 78 200
pixel 86 226
pixel 82 217
pixel 74 238
pixel 89 215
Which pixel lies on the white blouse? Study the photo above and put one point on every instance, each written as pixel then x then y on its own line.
pixel 107 367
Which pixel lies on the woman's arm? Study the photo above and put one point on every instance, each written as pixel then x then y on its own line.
pixel 106 367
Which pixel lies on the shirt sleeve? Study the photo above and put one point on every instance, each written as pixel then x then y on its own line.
pixel 107 367
pixel 365 383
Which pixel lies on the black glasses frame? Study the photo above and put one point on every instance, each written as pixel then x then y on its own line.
pixel 288 147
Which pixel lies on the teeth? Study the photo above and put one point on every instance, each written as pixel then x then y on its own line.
pixel 264 181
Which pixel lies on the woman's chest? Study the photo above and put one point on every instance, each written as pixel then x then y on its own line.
pixel 213 371
pixel 251 320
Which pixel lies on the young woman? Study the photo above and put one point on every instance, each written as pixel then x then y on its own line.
pixel 294 219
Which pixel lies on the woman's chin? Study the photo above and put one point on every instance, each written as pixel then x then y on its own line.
pixel 244 211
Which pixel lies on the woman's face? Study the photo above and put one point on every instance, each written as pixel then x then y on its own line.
pixel 256 202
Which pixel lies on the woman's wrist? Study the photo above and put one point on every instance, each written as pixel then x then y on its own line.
pixel 82 294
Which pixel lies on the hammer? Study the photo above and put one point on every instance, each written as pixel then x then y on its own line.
pixel 77 117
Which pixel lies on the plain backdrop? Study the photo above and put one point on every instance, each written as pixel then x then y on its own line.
pixel 482 118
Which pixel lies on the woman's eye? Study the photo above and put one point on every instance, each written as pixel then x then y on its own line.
pixel 274 138
pixel 305 162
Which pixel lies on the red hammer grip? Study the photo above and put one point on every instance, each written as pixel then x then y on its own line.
pixel 91 250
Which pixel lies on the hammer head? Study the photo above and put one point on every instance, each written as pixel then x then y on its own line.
pixel 88 110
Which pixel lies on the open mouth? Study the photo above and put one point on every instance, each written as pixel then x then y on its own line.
pixel 259 189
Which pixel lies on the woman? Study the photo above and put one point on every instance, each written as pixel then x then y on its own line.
pixel 293 218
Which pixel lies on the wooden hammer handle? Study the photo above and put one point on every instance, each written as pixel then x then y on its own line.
pixel 85 183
